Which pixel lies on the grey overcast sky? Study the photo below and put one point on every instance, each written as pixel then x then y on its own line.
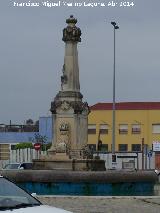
pixel 32 54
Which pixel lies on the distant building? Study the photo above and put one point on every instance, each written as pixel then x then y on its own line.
pixel 134 121
pixel 13 134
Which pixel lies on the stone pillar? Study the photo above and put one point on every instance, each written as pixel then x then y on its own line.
pixel 70 113
pixel 70 78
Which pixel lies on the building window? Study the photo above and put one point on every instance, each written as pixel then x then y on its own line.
pixel 4 152
pixel 136 128
pixel 13 147
pixel 136 147
pixel 123 128
pixel 156 128
pixel 104 148
pixel 2 127
pixel 123 147
pixel 92 147
pixel 103 129
pixel 91 128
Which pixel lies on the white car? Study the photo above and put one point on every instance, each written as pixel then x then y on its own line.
pixel 13 199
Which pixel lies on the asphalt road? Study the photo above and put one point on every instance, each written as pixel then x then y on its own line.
pixel 84 204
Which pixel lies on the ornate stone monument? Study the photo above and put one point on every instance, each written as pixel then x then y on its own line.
pixel 70 113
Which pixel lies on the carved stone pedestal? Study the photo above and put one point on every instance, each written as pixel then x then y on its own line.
pixel 69 164
pixel 58 156
pixel 50 164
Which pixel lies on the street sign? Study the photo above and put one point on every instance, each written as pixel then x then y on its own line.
pixel 156 146
pixel 149 154
pixel 37 146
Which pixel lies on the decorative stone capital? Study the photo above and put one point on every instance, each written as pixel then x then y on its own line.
pixel 54 105
pixel 79 107
pixel 71 32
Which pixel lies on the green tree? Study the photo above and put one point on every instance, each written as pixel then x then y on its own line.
pixel 24 145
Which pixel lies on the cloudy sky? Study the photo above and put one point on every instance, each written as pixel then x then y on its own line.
pixel 32 54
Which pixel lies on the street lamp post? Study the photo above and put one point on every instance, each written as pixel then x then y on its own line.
pixel 115 27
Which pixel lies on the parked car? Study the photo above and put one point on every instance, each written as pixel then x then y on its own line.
pixel 18 166
pixel 157 171
pixel 13 199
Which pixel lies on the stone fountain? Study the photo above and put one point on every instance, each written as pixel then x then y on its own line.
pixel 69 148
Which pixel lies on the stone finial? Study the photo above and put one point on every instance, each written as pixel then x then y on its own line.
pixel 71 19
pixel 71 32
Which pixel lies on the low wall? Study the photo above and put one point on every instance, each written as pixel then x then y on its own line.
pixel 157 189
pixel 58 182
pixel 50 176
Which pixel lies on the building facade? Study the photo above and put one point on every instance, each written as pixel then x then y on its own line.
pixel 137 126
pixel 12 134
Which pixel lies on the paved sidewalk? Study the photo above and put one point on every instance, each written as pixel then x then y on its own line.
pixel 78 204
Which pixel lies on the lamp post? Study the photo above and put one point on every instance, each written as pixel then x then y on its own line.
pixel 115 27
pixel 143 146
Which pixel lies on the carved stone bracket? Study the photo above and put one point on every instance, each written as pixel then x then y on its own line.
pixel 54 105
pixel 80 107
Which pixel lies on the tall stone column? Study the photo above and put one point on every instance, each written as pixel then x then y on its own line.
pixel 70 113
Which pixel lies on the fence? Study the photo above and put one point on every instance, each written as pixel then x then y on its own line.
pixel 130 160
pixel 22 155
pixel 123 160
